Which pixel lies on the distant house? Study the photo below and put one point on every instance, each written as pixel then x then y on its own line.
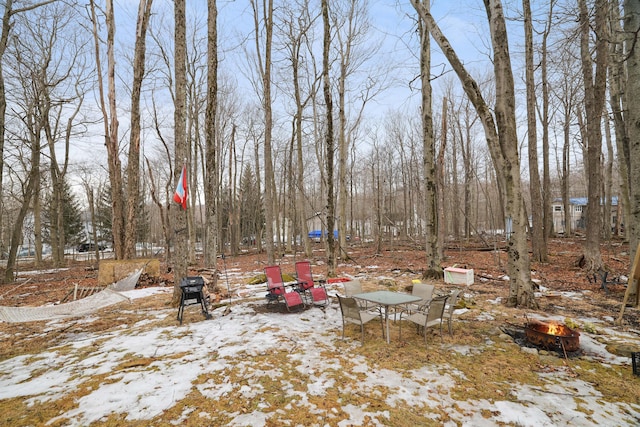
pixel 577 210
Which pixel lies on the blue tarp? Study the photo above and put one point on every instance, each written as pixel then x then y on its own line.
pixel 316 234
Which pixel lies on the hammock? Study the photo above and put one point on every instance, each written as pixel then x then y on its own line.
pixel 109 296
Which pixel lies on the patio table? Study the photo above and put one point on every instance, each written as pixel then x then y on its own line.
pixel 387 299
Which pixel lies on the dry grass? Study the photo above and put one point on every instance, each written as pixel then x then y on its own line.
pixel 483 364
pixel 487 372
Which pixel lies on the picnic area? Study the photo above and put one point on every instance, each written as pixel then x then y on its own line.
pixel 254 362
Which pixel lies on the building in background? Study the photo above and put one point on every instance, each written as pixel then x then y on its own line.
pixel 578 210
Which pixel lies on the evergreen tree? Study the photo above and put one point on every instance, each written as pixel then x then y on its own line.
pixel 104 214
pixel 251 211
pixel 104 217
pixel 143 223
pixel 72 218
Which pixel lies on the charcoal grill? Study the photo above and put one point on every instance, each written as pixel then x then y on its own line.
pixel 192 293
pixel 552 336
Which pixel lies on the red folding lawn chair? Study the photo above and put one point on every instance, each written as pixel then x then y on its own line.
pixel 314 289
pixel 277 290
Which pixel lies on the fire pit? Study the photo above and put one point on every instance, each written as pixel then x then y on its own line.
pixel 552 336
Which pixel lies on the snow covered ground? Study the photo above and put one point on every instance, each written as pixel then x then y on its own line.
pixel 178 355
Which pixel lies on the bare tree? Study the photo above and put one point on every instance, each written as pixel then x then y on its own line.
pixel 352 29
pixel 211 177
pixel 594 89
pixel 110 122
pixel 297 24
pixel 180 142
pixel 47 95
pixel 7 25
pixel 433 268
pixel 545 119
pixel 328 138
pixel 158 196
pixel 501 139
pixel 133 165
pixel 632 49
pixel 264 14
pixel 619 111
pixel 538 232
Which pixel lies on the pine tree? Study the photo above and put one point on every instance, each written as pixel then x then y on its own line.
pixel 104 215
pixel 251 212
pixel 72 218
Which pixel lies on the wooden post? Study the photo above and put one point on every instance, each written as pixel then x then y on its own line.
pixel 632 286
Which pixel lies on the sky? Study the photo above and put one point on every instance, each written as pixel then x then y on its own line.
pixel 392 26
pixel 182 353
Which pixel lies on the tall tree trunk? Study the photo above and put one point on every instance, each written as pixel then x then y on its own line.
pixel 234 209
pixel 455 203
pixel 619 109
pixel 538 231
pixel 297 125
pixel 180 258
pixel 329 144
pixel 521 291
pixel 211 175
pixel 58 173
pixel 441 174
pixel 566 165
pixel 110 123
pixel 133 165
pixel 28 192
pixel 594 88
pixel 632 27
pixel 345 57
pixel 546 169
pixel 608 180
pixel 433 267
pixel 4 39
pixel 502 142
pixel 265 74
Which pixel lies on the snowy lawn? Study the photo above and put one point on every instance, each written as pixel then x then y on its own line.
pixel 132 364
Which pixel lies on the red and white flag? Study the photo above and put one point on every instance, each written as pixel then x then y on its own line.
pixel 180 196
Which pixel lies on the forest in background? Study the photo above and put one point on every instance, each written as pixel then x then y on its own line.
pixel 298 116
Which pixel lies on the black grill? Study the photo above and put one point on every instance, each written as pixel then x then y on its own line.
pixel 192 294
pixel 635 361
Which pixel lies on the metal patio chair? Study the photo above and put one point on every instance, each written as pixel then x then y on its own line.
pixel 352 313
pixel 314 289
pixel 277 290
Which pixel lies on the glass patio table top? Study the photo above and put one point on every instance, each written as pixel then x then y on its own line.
pixel 387 299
